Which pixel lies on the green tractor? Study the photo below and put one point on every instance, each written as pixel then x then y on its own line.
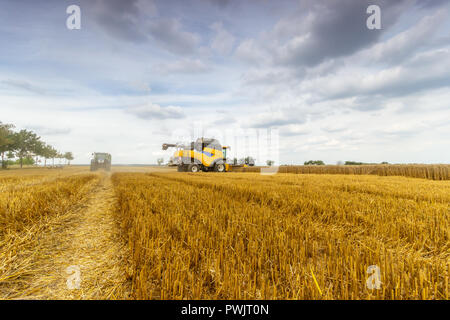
pixel 101 160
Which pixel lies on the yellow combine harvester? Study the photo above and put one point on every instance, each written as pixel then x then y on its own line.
pixel 203 154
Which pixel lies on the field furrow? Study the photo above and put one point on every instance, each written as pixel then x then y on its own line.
pixel 27 213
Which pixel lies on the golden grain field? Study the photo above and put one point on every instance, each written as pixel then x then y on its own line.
pixel 424 171
pixel 248 236
pixel 237 235
pixel 28 205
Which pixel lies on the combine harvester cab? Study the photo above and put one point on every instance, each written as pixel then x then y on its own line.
pixel 201 155
pixel 101 160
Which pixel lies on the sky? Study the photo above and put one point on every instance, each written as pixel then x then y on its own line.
pixel 309 74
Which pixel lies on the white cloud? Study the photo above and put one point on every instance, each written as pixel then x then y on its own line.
pixel 155 111
pixel 223 41
pixel 187 66
pixel 170 34
pixel 251 52
pixel 294 130
pixel 407 42
pixel 423 71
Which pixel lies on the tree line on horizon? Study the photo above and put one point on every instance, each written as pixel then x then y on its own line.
pixel 27 146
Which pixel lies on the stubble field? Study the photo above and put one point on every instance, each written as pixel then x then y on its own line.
pixel 147 233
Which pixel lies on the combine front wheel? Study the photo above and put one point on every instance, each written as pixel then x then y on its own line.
pixel 193 167
pixel 219 167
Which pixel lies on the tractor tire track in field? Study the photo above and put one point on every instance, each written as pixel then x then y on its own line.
pixel 83 258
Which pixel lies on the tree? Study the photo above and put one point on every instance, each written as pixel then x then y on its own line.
pixel 24 142
pixel 270 163
pixel 53 155
pixel 69 157
pixel 38 150
pixel 28 160
pixel 25 145
pixel 5 141
pixel 60 156
pixel 160 161
pixel 314 163
pixel 46 153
